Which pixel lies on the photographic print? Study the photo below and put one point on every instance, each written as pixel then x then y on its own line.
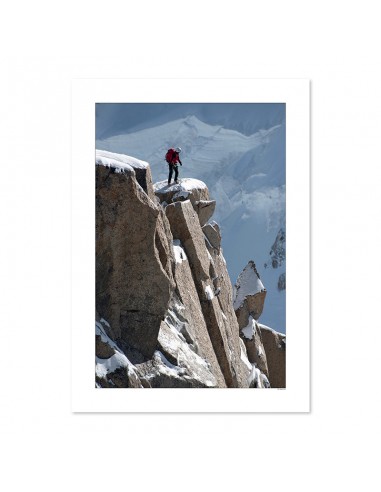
pixel 191 203
pixel 190 245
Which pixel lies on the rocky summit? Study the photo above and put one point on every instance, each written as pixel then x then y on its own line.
pixel 166 313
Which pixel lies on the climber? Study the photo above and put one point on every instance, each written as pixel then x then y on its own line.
pixel 172 157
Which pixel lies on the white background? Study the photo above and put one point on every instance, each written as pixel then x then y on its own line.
pixel 43 445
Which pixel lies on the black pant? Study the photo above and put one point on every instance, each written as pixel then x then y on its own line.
pixel 171 168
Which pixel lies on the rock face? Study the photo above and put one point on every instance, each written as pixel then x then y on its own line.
pixel 277 258
pixel 220 320
pixel 282 281
pixel 133 244
pixel 251 335
pixel 278 249
pixel 112 368
pixel 250 293
pixel 164 301
pixel 189 189
pixel 274 344
pixel 188 311
pixel 265 347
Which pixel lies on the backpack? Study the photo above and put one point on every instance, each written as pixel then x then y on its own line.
pixel 169 155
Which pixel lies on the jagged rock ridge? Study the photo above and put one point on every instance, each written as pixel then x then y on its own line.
pixel 164 301
pixel 266 348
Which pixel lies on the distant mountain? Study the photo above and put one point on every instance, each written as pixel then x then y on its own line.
pixel 116 119
pixel 245 173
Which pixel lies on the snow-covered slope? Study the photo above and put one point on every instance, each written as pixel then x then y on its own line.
pixel 116 119
pixel 245 174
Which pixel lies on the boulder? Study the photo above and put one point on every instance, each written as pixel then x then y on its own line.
pixel 213 235
pixel 102 349
pixel 205 209
pixel 187 189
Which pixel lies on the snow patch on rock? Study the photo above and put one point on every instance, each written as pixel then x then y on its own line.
pixel 120 162
pixel 209 293
pixel 106 366
pixel 249 330
pixel 184 185
pixel 180 254
pixel 261 325
pixel 257 379
pixel 248 283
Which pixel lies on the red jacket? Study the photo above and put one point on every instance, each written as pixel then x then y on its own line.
pixel 172 157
